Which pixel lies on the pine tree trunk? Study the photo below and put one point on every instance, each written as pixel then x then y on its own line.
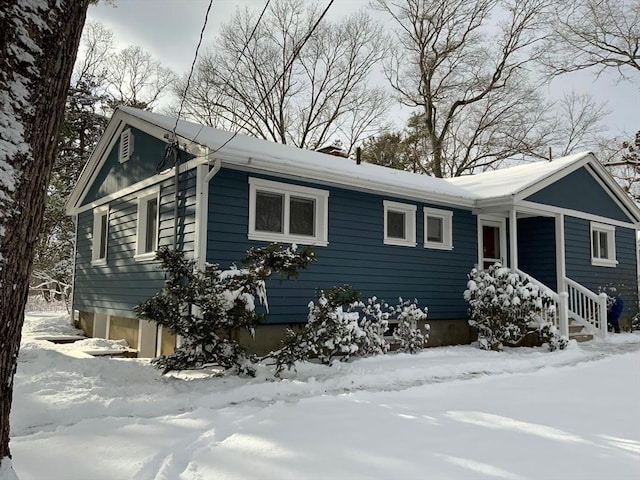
pixel 38 46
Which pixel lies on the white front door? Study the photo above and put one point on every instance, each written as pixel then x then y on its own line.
pixel 492 242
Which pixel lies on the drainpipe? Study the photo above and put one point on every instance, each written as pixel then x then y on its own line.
pixel 513 238
pixel 204 208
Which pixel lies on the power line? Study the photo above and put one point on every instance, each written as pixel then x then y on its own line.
pixel 296 52
pixel 193 64
pixel 244 48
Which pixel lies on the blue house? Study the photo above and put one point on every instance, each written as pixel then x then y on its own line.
pixel 389 233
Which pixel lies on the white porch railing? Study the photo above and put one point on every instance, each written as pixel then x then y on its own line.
pixel 574 301
pixel 587 307
pixel 557 313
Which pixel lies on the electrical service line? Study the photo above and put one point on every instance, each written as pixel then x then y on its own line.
pixel 296 52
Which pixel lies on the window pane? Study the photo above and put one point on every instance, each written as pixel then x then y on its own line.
pixel 491 242
pixel 395 225
pixel 604 247
pixel 302 216
pixel 269 212
pixel 594 244
pixel 103 237
pixel 434 230
pixel 151 233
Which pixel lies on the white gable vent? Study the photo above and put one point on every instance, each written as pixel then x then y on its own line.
pixel 126 145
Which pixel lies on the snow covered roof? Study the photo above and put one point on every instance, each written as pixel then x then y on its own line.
pixel 240 151
pixel 249 151
pixel 513 180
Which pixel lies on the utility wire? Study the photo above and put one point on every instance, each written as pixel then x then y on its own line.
pixel 244 48
pixel 296 52
pixel 193 64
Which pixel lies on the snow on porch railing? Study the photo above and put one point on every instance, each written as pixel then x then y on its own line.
pixel 557 313
pixel 587 307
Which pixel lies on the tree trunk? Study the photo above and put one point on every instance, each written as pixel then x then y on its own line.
pixel 38 46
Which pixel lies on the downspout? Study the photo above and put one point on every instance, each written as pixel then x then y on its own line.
pixel 204 216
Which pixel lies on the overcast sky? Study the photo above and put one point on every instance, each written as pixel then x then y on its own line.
pixel 169 30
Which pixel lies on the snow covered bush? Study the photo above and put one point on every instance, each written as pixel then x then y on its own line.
pixel 504 308
pixel 207 308
pixel 341 326
pixel 407 333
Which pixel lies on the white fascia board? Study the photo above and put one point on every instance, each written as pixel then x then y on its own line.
pixel 96 159
pixel 99 156
pixel 554 177
pixel 575 213
pixel 614 190
pixel 147 182
pixel 265 167
pixel 599 174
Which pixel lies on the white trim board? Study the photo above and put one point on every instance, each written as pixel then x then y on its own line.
pixel 575 213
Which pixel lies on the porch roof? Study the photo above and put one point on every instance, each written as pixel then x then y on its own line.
pixel 514 180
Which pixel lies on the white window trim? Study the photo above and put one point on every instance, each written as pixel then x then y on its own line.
pixel 447 228
pixel 320 197
pixel 409 223
pixel 610 230
pixel 124 154
pixel 141 233
pixel 98 212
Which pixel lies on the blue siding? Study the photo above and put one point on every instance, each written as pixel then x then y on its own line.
pixel 355 255
pixel 124 282
pixel 581 192
pixel 578 261
pixel 537 249
pixel 148 151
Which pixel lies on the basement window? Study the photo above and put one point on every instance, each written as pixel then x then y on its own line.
pixel 603 245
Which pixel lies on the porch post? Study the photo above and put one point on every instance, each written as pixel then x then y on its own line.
pixel 563 314
pixel 560 255
pixel 513 239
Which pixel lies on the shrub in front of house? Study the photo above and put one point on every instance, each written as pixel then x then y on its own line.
pixel 505 309
pixel 340 326
pixel 207 308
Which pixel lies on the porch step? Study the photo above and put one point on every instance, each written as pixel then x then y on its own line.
pixel 577 333
pixel 581 337
pixel 575 328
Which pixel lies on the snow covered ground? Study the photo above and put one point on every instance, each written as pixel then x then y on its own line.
pixel 447 413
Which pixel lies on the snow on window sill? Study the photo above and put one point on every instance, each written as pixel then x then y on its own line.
pixel 145 257
pixel 438 246
pixel 603 262
pixel 399 242
pixel 299 240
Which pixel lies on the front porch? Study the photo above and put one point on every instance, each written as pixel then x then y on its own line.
pixel 532 243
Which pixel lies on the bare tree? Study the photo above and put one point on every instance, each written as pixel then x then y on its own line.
pixel 622 159
pixel 595 34
pixel 577 121
pixel 133 77
pixel 253 83
pixel 38 46
pixel 465 65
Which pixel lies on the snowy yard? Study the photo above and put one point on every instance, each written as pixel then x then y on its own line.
pixel 447 413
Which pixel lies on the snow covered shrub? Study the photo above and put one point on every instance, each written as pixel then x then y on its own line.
pixel 407 332
pixel 207 308
pixel 504 308
pixel 341 326
pixel 550 335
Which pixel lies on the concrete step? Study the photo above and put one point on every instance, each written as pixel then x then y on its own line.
pixel 581 337
pixel 575 328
